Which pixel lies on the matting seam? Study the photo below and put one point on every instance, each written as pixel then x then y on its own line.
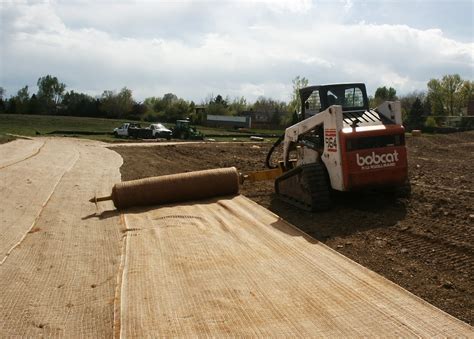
pixel 119 289
pixel 42 208
pixel 28 157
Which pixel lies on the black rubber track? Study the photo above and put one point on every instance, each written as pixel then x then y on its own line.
pixel 313 178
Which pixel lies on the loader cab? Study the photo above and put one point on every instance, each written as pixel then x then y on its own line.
pixel 315 99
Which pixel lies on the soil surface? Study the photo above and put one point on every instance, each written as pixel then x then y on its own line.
pixel 424 243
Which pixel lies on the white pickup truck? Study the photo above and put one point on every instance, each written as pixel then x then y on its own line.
pixel 122 131
pixel 134 130
pixel 160 131
pixel 126 129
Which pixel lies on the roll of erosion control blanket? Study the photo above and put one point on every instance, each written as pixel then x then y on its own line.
pixel 176 188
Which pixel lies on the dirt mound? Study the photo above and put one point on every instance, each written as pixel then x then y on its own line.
pixel 425 243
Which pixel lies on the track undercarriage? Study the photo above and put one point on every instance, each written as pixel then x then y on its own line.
pixel 305 186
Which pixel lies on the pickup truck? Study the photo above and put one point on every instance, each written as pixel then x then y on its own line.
pixel 133 130
pixel 160 131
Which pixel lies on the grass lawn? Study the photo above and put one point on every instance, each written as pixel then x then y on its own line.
pixel 6 138
pixel 47 125
pixel 99 129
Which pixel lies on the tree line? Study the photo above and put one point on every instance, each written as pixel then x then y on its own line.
pixel 447 96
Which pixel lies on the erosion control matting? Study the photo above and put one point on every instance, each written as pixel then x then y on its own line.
pixel 59 263
pixel 18 151
pixel 225 266
pixel 228 266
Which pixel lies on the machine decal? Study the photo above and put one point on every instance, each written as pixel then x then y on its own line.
pixel 374 161
pixel 330 138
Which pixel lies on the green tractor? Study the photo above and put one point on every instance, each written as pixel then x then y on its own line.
pixel 184 130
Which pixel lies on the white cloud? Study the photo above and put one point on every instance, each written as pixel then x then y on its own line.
pixel 348 5
pixel 285 6
pixel 249 48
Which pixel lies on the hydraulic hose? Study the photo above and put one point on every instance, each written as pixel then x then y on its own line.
pixel 270 152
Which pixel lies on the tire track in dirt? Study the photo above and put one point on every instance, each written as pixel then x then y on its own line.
pixel 454 234
pixel 447 144
pixel 445 188
pixel 447 253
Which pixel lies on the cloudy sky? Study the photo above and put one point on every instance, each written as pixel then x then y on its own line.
pixel 233 47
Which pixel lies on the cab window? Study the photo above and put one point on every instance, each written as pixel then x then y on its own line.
pixel 353 97
pixel 313 104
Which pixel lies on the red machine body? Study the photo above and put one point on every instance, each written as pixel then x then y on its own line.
pixel 374 157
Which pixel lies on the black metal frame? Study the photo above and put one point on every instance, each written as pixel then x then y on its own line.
pixel 306 92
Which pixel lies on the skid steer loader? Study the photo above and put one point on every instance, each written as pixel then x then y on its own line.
pixel 338 144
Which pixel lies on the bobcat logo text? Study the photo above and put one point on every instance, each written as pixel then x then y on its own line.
pixel 373 161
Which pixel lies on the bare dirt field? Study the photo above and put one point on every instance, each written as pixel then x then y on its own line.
pixel 424 243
